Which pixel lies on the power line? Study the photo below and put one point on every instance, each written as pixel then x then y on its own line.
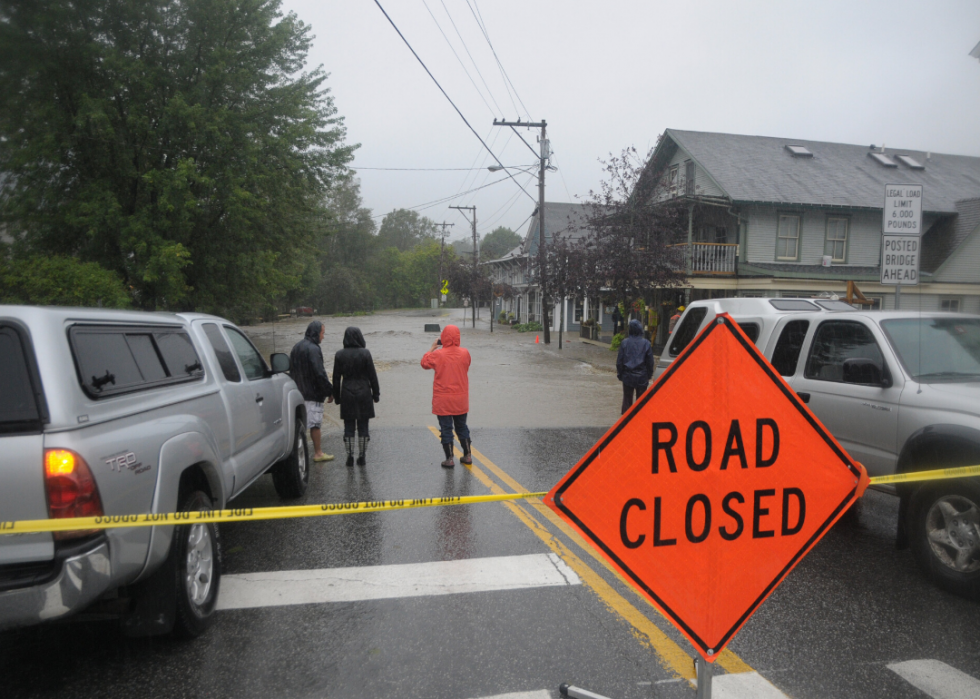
pixel 467 49
pixel 436 202
pixel 461 64
pixel 503 72
pixel 444 94
pixel 420 169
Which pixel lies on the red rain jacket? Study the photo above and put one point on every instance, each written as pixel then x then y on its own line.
pixel 451 386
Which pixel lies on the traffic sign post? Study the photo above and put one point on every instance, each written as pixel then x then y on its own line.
pixel 711 488
pixel 901 231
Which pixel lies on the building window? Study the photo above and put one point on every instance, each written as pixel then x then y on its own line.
pixel 672 180
pixel 579 310
pixel 836 243
pixel 950 305
pixel 788 240
pixel 689 175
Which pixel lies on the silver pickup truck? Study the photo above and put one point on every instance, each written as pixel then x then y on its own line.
pixel 115 413
pixel 900 391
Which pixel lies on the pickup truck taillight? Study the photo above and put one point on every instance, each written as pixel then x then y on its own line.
pixel 71 489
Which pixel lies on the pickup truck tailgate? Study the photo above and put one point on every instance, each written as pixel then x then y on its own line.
pixel 22 497
pixel 22 493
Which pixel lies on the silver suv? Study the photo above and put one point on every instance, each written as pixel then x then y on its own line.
pixel 899 390
pixel 114 413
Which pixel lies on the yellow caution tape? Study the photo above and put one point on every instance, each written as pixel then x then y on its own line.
pixel 245 514
pixel 938 474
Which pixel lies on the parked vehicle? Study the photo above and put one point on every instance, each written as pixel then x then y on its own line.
pixel 899 390
pixel 114 413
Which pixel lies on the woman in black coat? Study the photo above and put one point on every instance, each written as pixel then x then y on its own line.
pixel 355 389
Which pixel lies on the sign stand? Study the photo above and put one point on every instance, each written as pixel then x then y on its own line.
pixel 703 670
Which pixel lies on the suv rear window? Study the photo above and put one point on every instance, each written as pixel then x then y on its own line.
pixel 751 330
pixel 18 405
pixel 787 352
pixel 687 330
pixel 114 360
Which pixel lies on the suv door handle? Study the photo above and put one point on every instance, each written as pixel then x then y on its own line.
pixel 805 397
pixel 258 398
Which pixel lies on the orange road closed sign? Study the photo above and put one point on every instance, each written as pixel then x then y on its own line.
pixel 711 488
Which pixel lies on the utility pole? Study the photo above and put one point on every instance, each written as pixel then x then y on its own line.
pixel 545 154
pixel 476 257
pixel 442 249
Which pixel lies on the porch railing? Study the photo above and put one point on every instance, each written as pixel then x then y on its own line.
pixel 710 258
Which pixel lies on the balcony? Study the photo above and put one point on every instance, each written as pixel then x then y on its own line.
pixel 710 258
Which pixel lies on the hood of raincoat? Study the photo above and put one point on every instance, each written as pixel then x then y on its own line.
pixel 353 337
pixel 450 336
pixel 636 329
pixel 313 331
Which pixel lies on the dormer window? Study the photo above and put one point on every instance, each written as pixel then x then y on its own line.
pixel 883 159
pixel 910 162
pixel 799 151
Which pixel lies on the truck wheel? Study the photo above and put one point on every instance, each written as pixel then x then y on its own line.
pixel 197 553
pixel 944 524
pixel 291 475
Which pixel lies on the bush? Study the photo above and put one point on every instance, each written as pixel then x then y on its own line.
pixel 60 281
pixel 617 339
pixel 533 326
pixel 502 318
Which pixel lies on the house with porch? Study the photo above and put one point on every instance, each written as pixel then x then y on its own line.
pixel 793 217
pixel 518 269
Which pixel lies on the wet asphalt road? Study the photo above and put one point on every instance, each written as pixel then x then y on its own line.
pixel 850 608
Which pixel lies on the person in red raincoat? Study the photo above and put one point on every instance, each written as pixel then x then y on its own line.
pixel 450 391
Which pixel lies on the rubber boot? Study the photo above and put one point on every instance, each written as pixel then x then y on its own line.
pixel 349 446
pixel 467 455
pixel 362 450
pixel 448 463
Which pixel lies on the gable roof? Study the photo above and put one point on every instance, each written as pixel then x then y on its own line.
pixel 942 240
pixel 761 169
pixel 566 219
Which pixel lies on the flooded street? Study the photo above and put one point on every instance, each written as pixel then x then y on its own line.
pixel 514 382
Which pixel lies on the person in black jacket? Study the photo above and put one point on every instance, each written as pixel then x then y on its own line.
pixel 355 389
pixel 634 364
pixel 306 368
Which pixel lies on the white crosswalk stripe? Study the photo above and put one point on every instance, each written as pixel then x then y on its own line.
pixel 289 587
pixel 744 685
pixel 937 679
pixel 539 694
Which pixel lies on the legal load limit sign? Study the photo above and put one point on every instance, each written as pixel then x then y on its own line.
pixel 711 488
pixel 902 214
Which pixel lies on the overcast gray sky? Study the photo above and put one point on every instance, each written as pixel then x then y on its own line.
pixel 607 75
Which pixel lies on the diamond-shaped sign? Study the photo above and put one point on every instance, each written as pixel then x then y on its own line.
pixel 711 488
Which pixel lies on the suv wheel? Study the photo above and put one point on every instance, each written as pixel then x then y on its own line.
pixel 197 554
pixel 945 532
pixel 291 475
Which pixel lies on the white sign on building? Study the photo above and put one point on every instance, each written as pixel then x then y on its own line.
pixel 900 259
pixel 903 210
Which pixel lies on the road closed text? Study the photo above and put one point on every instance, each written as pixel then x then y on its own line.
pixel 760 513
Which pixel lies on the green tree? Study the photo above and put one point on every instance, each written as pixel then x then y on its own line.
pixel 498 243
pixel 180 144
pixel 60 281
pixel 404 229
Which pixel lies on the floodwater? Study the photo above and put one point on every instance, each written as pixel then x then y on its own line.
pixel 514 382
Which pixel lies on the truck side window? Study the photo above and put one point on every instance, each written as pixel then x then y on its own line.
pixel 787 352
pixel 221 350
pixel 836 341
pixel 113 359
pixel 18 409
pixel 252 361
pixel 687 330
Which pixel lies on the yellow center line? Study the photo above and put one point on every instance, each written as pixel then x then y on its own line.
pixel 726 659
pixel 672 656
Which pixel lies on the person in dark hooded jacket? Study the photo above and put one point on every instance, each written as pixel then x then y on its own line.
pixel 306 368
pixel 355 389
pixel 634 364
